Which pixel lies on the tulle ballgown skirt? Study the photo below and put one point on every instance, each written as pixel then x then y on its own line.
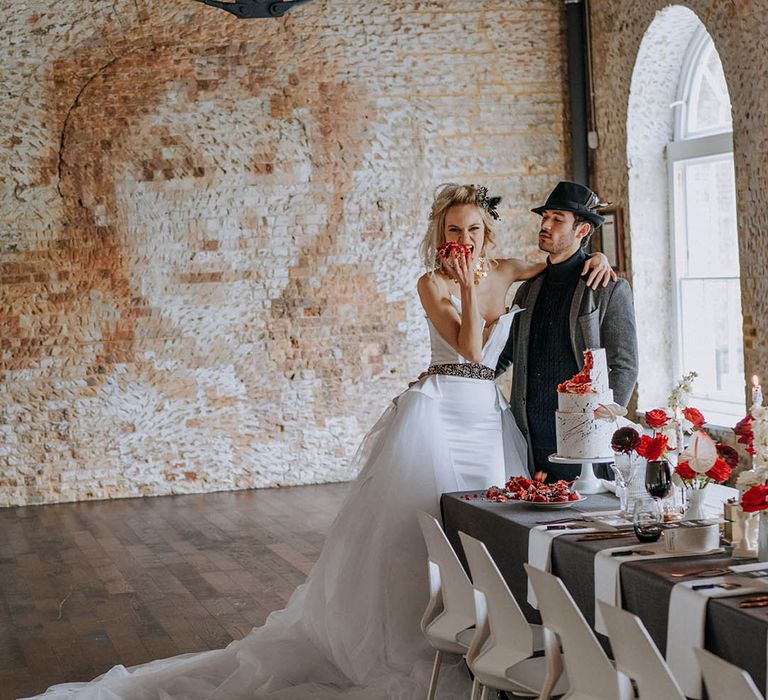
pixel 351 632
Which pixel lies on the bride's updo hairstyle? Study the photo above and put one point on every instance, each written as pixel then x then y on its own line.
pixel 452 195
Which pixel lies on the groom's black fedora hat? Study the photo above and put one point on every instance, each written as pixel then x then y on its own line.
pixel 570 196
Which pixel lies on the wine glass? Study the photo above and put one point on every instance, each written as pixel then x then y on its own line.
pixel 647 519
pixel 658 478
pixel 621 473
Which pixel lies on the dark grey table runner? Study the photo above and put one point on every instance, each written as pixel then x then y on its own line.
pixel 735 634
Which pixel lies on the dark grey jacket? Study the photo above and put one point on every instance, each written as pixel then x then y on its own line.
pixel 602 318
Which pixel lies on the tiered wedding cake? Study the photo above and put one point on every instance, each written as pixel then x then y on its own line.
pixel 581 436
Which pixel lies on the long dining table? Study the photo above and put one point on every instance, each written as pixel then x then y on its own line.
pixel 736 634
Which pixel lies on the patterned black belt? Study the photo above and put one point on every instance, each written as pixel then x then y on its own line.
pixel 469 370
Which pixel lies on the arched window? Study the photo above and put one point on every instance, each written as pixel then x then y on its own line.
pixel 707 333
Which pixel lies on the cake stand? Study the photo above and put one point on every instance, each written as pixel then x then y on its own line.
pixel 586 482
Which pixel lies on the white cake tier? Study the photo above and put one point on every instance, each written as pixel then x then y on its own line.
pixel 598 375
pixel 583 403
pixel 580 436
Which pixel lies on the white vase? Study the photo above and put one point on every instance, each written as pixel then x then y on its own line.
pixel 745 534
pixel 762 536
pixel 695 509
pixel 636 482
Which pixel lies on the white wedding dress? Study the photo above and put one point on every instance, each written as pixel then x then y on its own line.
pixel 351 632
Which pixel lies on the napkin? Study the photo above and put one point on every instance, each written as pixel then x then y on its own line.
pixel 540 550
pixel 686 621
pixel 607 574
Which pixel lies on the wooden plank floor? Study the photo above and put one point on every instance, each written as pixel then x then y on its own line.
pixel 85 586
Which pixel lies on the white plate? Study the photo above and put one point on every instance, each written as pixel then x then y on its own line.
pixel 554 505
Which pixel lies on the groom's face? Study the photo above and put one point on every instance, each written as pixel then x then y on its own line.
pixel 558 233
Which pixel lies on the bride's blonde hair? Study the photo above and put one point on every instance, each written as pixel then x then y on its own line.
pixel 446 196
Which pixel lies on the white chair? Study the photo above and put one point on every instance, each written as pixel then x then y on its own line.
pixel 724 680
pixel 501 653
pixel 591 675
pixel 448 622
pixel 637 657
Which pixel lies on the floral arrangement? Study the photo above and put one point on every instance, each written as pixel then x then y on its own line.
pixel 752 431
pixel 679 396
pixel 628 440
pixel 703 462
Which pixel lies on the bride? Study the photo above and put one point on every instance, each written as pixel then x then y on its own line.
pixel 350 632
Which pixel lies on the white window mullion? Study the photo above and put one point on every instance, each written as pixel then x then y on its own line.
pixel 702 147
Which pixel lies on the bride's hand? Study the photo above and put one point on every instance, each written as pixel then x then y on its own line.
pixel 462 266
pixel 600 271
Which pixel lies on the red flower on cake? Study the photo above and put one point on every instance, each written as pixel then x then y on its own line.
pixel 652 448
pixel 755 499
pixel 580 383
pixel 719 472
pixel 744 430
pixel 694 416
pixel 656 418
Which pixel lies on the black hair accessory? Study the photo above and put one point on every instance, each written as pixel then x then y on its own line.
pixel 486 202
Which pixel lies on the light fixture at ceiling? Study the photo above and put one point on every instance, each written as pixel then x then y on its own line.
pixel 251 9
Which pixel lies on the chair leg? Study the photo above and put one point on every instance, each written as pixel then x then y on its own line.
pixel 435 673
pixel 484 696
pixel 554 664
pixel 475 689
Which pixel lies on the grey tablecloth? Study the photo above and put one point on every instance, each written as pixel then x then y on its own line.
pixel 737 635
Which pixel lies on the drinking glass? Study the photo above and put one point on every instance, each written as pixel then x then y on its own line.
pixel 658 478
pixel 647 519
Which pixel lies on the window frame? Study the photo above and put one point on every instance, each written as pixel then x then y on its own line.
pixel 710 144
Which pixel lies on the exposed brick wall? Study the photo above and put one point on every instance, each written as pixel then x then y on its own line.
pixel 209 236
pixel 739 29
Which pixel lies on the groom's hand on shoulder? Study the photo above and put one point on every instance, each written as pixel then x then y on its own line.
pixel 416 381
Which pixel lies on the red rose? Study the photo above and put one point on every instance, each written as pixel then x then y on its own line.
pixel 656 418
pixel 755 499
pixel 744 430
pixel 642 446
pixel 695 416
pixel 719 471
pixel 652 448
pixel 684 471
pixel 727 454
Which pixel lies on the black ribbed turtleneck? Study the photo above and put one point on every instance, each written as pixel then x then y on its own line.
pixel 550 354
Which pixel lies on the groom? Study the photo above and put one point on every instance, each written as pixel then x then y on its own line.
pixel 562 317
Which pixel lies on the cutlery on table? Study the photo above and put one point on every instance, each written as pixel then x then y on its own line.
pixel 598 536
pixel 754 603
pixel 726 585
pixel 752 599
pixel 703 573
pixel 560 520
pixel 566 526
pixel 630 552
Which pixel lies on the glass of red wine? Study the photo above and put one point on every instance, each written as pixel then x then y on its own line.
pixel 658 478
pixel 647 519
